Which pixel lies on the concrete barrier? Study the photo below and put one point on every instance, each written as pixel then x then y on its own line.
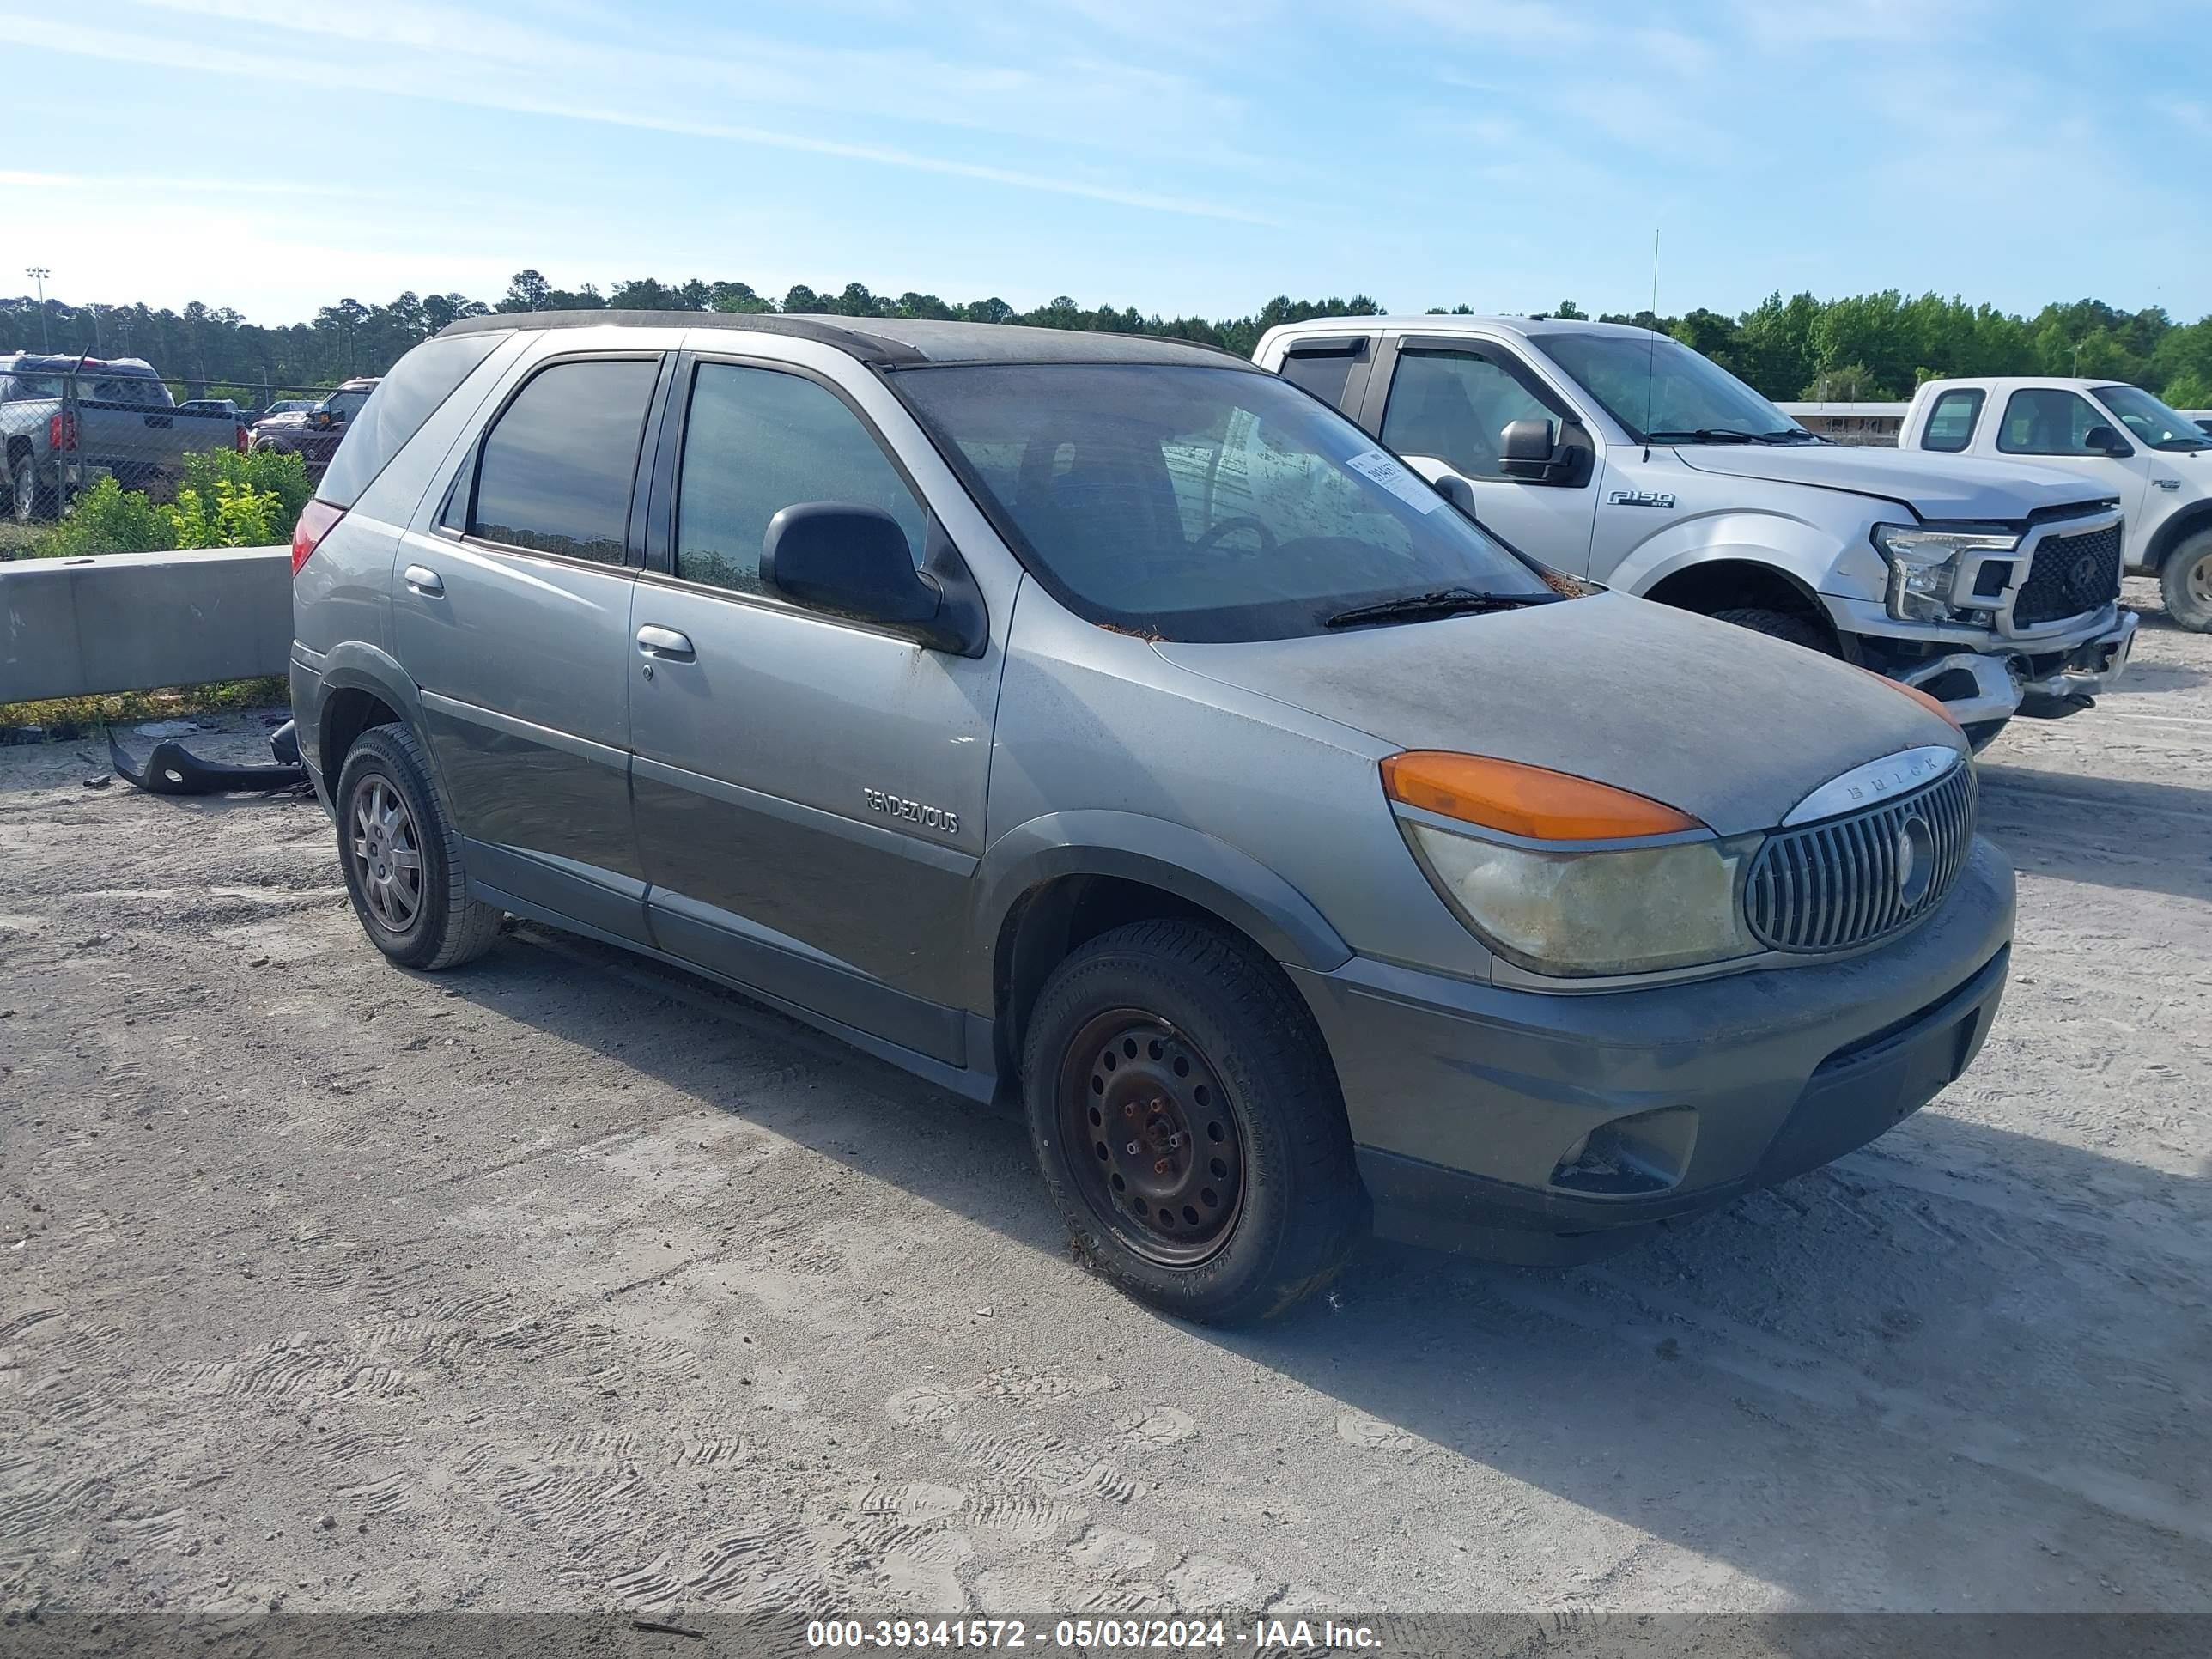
pixel 130 622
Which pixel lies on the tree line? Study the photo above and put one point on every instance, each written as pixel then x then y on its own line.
pixel 1862 348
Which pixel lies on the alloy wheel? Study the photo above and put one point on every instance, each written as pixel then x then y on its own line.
pixel 387 850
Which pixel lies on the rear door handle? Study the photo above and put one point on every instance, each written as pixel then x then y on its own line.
pixel 665 643
pixel 423 580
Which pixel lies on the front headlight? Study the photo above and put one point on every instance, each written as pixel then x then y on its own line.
pixel 1923 565
pixel 1649 888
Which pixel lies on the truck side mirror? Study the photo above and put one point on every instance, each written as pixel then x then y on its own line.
pixel 1526 449
pixel 2103 440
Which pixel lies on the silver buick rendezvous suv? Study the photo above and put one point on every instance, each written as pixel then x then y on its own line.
pixel 1106 722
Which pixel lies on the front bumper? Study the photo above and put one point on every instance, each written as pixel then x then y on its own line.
pixel 1468 1102
pixel 1989 681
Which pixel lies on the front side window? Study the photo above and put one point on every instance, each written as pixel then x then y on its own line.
pixel 2047 421
pixel 2149 421
pixel 1455 405
pixel 758 441
pixel 1663 393
pixel 558 464
pixel 1199 502
pixel 1951 422
pixel 344 405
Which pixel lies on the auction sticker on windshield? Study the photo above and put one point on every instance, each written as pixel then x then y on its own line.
pixel 1408 487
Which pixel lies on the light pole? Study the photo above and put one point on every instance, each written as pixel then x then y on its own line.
pixel 39 275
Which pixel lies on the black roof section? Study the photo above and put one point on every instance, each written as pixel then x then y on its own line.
pixel 887 342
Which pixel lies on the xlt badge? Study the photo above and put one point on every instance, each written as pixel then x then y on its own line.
pixel 897 806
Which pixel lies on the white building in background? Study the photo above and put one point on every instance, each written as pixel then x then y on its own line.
pixel 1850 424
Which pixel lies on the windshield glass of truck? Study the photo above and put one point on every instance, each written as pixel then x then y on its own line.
pixel 1664 393
pixel 1198 503
pixel 2150 422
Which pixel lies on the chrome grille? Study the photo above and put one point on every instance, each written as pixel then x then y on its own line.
pixel 1838 883
pixel 2070 574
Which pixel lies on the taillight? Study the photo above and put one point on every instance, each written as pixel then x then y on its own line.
pixel 315 523
pixel 242 439
pixel 61 431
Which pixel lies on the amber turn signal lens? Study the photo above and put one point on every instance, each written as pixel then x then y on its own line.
pixel 1525 800
pixel 1919 696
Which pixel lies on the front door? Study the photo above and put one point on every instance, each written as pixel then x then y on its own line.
pixel 1445 410
pixel 2047 425
pixel 513 617
pixel 809 791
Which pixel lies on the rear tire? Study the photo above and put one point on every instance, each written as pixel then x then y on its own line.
pixel 29 501
pixel 2185 580
pixel 1229 1191
pixel 1780 625
pixel 402 857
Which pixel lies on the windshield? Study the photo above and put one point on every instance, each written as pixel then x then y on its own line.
pixel 2150 422
pixel 1663 391
pixel 1200 503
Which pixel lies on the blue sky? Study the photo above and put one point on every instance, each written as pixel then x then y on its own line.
pixel 272 155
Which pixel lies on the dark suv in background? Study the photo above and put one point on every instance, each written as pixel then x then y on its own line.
pixel 316 438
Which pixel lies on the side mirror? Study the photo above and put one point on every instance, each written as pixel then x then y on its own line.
pixel 1526 449
pixel 1458 491
pixel 855 561
pixel 2103 440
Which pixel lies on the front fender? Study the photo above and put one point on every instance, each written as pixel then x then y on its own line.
pixel 1810 554
pixel 1172 857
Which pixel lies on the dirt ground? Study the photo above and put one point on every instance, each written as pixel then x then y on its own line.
pixel 567 1281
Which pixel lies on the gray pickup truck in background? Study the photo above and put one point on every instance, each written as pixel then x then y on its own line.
pixel 68 421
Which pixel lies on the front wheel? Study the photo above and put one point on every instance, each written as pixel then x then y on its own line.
pixel 2185 580
pixel 1780 625
pixel 1980 734
pixel 1189 1125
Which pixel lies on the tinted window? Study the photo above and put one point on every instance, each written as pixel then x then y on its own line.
pixel 1198 503
pixel 1324 374
pixel 1951 422
pixel 756 441
pixel 395 411
pixel 558 467
pixel 1660 389
pixel 2045 421
pixel 125 389
pixel 1453 405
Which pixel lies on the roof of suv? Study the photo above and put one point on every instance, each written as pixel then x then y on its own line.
pixel 887 342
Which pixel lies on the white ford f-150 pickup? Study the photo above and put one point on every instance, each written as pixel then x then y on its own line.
pixel 2118 438
pixel 1620 455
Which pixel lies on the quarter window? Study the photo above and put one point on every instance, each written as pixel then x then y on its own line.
pixel 758 441
pixel 558 464
pixel 2046 420
pixel 396 410
pixel 1951 422
pixel 1453 405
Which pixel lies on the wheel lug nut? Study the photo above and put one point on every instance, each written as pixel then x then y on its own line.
pixel 1132 1149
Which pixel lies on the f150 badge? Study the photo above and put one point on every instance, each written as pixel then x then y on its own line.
pixel 897 806
pixel 1644 498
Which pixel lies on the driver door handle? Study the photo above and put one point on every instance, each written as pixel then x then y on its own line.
pixel 423 580
pixel 665 643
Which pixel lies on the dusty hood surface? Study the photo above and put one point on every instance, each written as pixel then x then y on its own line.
pixel 1729 726
pixel 1934 486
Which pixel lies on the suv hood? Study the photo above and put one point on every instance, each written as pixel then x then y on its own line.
pixel 1729 726
pixel 1933 486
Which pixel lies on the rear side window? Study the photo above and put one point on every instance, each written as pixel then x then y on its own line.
pixel 756 441
pixel 1324 371
pixel 395 411
pixel 558 464
pixel 1951 422
pixel 2046 420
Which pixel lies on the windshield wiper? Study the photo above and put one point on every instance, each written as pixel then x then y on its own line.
pixel 1703 435
pixel 1791 434
pixel 1439 602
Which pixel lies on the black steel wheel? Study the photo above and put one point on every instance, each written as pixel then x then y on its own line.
pixel 1187 1120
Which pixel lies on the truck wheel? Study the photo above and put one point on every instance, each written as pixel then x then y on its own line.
pixel 402 857
pixel 1980 734
pixel 2186 579
pixel 28 500
pixel 1187 1121
pixel 1781 625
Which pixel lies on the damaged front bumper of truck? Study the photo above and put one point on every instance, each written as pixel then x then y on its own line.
pixel 2007 677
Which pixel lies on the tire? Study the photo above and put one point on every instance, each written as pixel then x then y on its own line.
pixel 387 779
pixel 29 501
pixel 1980 734
pixel 2185 578
pixel 1780 625
pixel 1189 1032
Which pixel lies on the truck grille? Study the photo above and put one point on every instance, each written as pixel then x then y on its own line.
pixel 1851 880
pixel 2070 574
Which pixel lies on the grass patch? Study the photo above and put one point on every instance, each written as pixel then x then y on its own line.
pixel 55 718
pixel 23 541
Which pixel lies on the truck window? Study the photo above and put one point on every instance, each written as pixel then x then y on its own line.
pixel 1325 371
pixel 1453 405
pixel 558 464
pixel 2047 421
pixel 1951 422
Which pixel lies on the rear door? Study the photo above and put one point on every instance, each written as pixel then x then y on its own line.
pixel 809 791
pixel 1444 403
pixel 512 613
